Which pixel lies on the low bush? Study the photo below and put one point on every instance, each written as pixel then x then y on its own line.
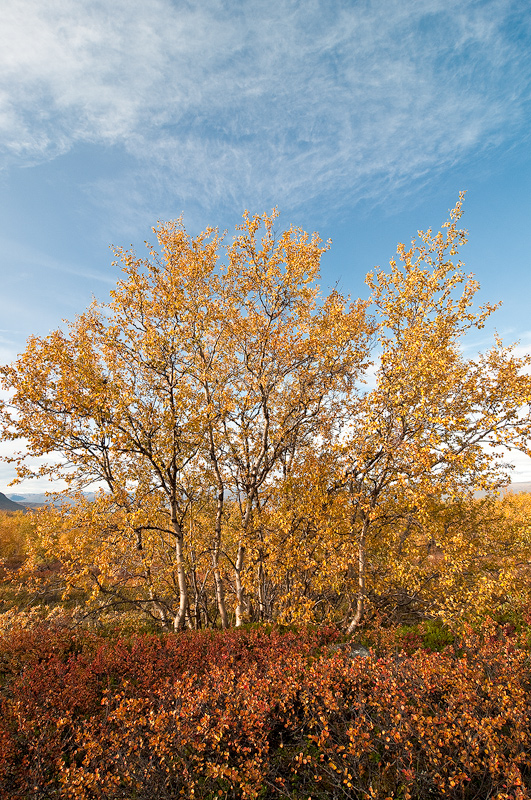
pixel 262 714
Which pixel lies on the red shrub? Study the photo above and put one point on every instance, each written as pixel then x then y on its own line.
pixel 252 714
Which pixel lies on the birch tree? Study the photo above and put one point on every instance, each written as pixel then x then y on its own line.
pixel 428 428
pixel 197 377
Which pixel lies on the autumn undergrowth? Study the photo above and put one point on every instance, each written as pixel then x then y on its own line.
pixel 265 713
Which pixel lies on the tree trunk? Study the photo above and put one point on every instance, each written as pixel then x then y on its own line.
pixel 261 590
pixel 362 568
pixel 240 559
pixel 240 610
pixel 180 618
pixel 197 597
pixel 218 580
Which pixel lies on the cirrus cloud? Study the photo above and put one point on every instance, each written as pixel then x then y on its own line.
pixel 248 102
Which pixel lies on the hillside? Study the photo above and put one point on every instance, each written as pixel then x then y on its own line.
pixel 9 505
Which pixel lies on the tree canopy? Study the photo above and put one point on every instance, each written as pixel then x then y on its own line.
pixel 263 451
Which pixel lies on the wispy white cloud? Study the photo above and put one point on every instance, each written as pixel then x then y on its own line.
pixel 39 290
pixel 246 103
pixel 27 256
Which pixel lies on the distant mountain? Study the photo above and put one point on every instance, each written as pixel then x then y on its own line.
pixel 518 486
pixel 512 488
pixel 9 505
pixel 31 500
pixel 39 499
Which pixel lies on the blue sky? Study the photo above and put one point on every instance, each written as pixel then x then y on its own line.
pixel 361 120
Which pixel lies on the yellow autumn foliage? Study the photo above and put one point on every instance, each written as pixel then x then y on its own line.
pixel 263 452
